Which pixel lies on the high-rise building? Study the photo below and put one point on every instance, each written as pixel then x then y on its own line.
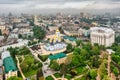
pixel 36 20
pixel 102 36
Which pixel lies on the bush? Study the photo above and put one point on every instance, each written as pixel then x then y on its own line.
pixel 43 57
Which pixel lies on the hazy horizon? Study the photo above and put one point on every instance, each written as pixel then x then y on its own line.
pixel 54 6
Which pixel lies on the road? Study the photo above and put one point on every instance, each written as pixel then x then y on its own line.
pixel 18 65
pixel 77 77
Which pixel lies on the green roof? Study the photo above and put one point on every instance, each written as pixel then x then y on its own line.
pixel 57 56
pixel 9 64
pixel 69 38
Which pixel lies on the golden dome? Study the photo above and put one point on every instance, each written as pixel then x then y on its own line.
pixel 57 30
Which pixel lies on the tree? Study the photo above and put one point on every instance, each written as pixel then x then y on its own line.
pixel 102 69
pixel 78 42
pixel 13 51
pixel 39 33
pixel 117 39
pixel 24 51
pixel 63 69
pixel 76 50
pixel 95 61
pixel 39 74
pixel 54 65
pixel 93 74
pixel 87 46
pixel 14 78
pixel 69 48
pixel 83 52
pixel 95 50
pixel 75 60
pixel 116 71
pixel 102 47
pixel 115 58
pixel 0 32
pixel 19 36
pixel 106 77
pixel 49 78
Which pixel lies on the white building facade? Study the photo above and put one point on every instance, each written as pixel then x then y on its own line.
pixel 102 36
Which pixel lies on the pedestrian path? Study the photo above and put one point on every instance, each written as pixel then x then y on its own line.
pixel 18 65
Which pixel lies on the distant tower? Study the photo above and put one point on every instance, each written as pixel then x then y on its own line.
pixel 81 14
pixel 36 20
pixel 10 17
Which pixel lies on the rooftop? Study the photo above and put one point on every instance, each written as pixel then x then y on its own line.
pixel 5 54
pixel 57 56
pixel 1 37
pixel 9 64
pixel 36 47
pixel 69 38
pixel 101 29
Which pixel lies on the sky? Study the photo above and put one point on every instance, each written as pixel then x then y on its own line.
pixel 48 6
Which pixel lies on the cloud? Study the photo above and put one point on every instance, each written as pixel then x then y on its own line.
pixel 66 5
pixel 29 5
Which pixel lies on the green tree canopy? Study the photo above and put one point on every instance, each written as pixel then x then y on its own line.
pixel 76 50
pixel 116 71
pixel 78 42
pixel 117 39
pixel 19 36
pixel 102 69
pixel 39 33
pixel 93 73
pixel 75 60
pixel 69 48
pixel 95 50
pixel 83 52
pixel 54 65
pixel 63 69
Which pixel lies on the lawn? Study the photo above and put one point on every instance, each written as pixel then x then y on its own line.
pixel 79 70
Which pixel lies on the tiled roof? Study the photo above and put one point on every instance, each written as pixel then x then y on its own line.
pixel 9 64
pixel 57 56
pixel 69 38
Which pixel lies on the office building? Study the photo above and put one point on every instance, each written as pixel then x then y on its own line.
pixel 102 36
